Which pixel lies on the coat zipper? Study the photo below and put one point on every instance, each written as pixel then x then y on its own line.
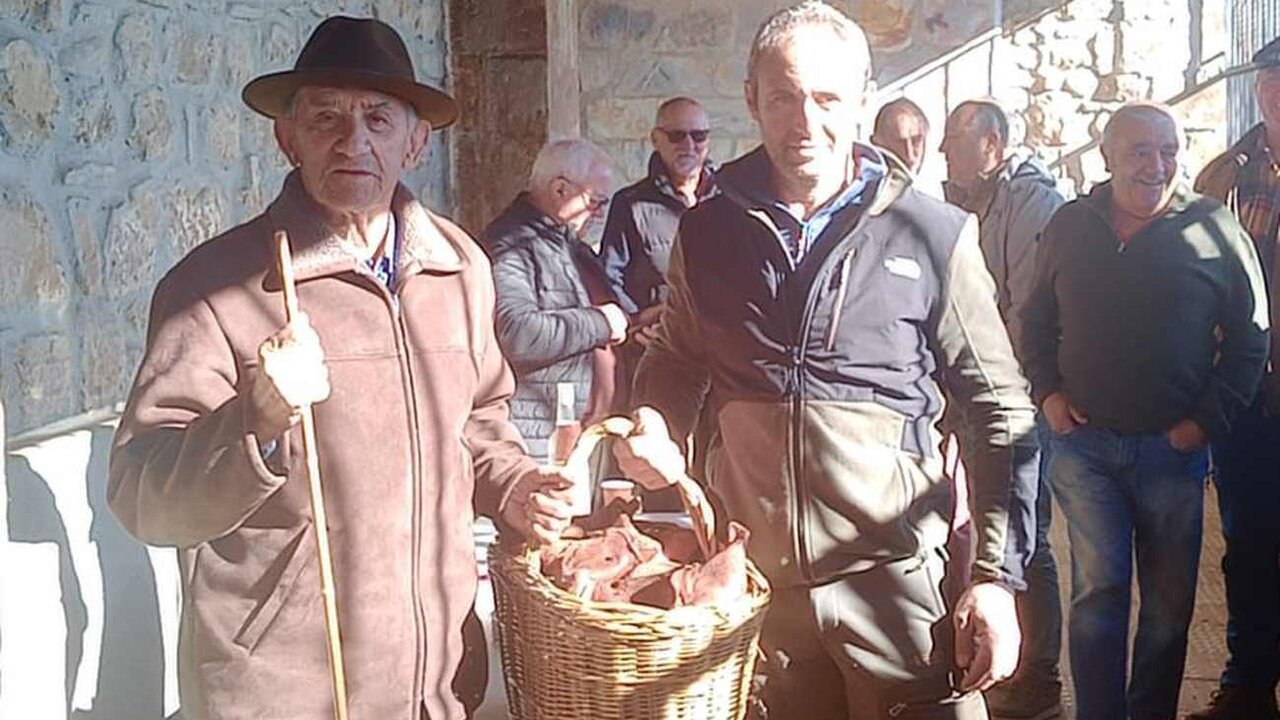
pixel 795 383
pixel 400 332
pixel 846 267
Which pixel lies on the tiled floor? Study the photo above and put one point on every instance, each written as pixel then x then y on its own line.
pixel 1205 655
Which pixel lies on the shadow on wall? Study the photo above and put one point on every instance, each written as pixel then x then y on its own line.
pixel 88 616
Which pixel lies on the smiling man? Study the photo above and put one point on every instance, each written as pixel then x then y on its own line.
pixel 1144 337
pixel 396 351
pixel 823 300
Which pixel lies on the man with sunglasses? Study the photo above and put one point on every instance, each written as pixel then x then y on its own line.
pixel 643 217
pixel 556 317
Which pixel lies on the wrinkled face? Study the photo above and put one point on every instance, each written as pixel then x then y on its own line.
pixel 806 102
pixel 1142 157
pixel 905 136
pixel 965 147
pixel 581 201
pixel 351 146
pixel 681 153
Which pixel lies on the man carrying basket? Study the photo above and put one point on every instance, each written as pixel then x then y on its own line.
pixel 821 299
pixel 410 416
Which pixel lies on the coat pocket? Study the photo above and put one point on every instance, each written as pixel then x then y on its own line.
pixel 300 550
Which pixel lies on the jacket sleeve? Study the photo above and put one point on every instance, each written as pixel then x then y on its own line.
pixel 498 453
pixel 1041 328
pixel 184 468
pixel 672 375
pixel 531 337
pixel 1245 339
pixel 615 251
pixel 1031 212
pixel 982 375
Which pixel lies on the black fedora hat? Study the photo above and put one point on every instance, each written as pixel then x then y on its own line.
pixel 352 52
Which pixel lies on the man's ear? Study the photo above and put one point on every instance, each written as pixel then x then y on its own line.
pixel 417 143
pixel 283 130
pixel 653 138
pixel 749 91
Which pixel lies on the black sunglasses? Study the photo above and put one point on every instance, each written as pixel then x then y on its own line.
pixel 677 136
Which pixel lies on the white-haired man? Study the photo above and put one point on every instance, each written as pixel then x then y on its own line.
pixel 1144 337
pixel 818 297
pixel 557 319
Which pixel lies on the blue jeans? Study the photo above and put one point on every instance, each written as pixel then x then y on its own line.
pixel 1127 497
pixel 1040 607
pixel 1247 474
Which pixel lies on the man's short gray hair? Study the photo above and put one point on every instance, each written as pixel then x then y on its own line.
pixel 1150 109
pixel 895 109
pixel 572 158
pixel 778 28
pixel 988 117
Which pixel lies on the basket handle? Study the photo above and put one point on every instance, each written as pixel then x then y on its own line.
pixel 691 494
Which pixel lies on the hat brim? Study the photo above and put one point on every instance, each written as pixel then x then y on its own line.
pixel 270 94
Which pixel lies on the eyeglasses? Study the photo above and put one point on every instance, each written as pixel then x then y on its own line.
pixel 594 201
pixel 675 137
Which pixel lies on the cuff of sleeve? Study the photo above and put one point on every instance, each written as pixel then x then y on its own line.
pixel 1002 578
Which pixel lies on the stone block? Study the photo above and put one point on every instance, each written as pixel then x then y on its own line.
pixel 708 24
pixel 238 67
pixel 729 117
pixel 1123 87
pixel 136 50
pixel 92 17
pixel 108 363
pixel 253 196
pixel 245 11
pixel 196 214
pixel 82 216
pixel 33 275
pixel 1080 82
pixel 92 177
pixel 280 47
pixel 29 97
pixel 619 118
pixel 41 15
pixel 1102 50
pixel 151 136
pixel 194 55
pixel 612 25
pixel 134 238
pixel 88 59
pixel 38 380
pixel 93 116
pixel 222 134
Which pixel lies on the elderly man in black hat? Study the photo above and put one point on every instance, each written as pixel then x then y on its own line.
pixel 1247 178
pixel 397 352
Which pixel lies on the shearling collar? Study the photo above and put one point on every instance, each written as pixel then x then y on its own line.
pixel 318 250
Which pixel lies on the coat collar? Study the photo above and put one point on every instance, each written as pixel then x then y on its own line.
pixel 318 250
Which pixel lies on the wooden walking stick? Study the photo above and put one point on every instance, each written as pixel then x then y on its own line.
pixel 320 522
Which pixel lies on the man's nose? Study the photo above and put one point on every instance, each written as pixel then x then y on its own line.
pixel 353 138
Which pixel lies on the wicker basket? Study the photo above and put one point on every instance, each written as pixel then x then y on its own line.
pixel 565 658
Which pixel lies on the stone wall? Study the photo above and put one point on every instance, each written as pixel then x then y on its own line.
pixel 123 143
pixel 1059 70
